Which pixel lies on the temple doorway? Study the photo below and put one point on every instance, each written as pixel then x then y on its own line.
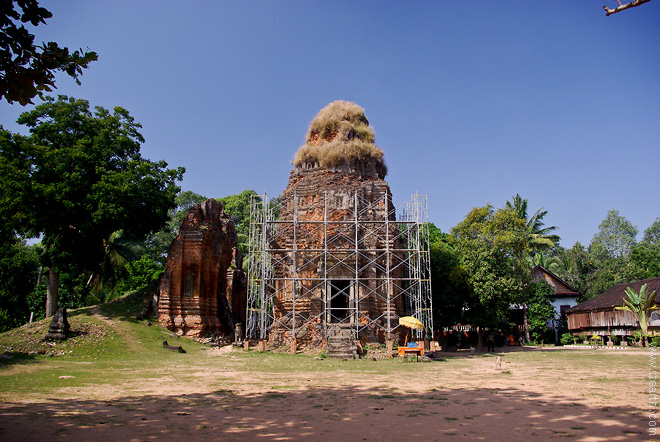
pixel 340 301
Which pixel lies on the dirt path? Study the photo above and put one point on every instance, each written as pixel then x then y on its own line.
pixel 467 399
pixel 116 327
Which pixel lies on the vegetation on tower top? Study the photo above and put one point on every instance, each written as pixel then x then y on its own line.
pixel 339 134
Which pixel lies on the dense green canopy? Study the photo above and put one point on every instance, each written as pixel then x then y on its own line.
pixel 77 178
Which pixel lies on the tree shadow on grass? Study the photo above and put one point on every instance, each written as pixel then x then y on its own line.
pixel 327 414
pixel 125 308
pixel 7 359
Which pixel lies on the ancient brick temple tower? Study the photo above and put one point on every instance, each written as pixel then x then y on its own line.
pixel 330 253
pixel 203 288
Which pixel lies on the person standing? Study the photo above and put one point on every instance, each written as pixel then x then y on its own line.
pixel 491 342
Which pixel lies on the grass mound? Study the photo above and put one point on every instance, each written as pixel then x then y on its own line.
pixel 340 134
pixel 108 331
pixel 28 340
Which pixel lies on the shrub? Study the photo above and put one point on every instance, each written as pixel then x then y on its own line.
pixel 567 338
pixel 141 273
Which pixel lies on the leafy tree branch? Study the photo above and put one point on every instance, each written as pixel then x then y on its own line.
pixel 27 69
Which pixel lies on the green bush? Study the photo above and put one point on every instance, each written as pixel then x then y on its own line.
pixel 567 338
pixel 540 311
pixel 141 273
pixel 596 339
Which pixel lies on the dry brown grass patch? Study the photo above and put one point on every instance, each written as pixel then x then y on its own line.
pixel 339 134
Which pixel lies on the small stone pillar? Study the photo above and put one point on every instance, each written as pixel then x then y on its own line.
pixel 238 333
pixel 59 327
pixel 389 346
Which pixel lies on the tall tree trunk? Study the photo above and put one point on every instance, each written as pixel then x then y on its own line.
pixel 51 292
pixel 526 325
pixel 41 272
pixel 480 338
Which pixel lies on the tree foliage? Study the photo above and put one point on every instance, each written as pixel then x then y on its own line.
pixel 593 270
pixel 159 242
pixel 120 249
pixel 238 207
pixel 487 242
pixel 77 178
pixel 641 304
pixel 496 250
pixel 643 262
pixel 607 261
pixel 538 236
pixel 615 234
pixel 140 274
pixel 19 265
pixel 652 234
pixel 576 265
pixel 27 69
pixel 451 292
pixel 540 309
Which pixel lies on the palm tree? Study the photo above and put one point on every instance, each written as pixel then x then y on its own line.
pixel 534 237
pixel 119 249
pixel 641 305
pixel 552 263
pixel 538 237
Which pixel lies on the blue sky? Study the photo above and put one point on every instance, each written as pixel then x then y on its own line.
pixel 472 101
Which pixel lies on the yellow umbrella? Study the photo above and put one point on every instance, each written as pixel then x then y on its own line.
pixel 411 322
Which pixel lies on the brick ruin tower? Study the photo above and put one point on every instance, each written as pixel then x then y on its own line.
pixel 335 258
pixel 202 292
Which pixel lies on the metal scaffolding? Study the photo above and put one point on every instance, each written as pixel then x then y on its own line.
pixel 328 259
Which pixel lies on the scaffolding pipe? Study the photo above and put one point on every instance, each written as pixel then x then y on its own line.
pixel 272 275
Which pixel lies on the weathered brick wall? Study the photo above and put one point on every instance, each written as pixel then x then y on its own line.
pixel 316 194
pixel 197 298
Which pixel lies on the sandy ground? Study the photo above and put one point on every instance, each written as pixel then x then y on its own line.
pixel 466 399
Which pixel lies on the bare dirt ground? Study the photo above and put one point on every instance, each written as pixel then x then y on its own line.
pixel 533 397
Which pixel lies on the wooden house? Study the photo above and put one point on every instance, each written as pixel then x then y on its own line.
pixel 599 315
pixel 565 296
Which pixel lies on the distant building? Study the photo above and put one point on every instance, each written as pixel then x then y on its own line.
pixel 599 315
pixel 565 296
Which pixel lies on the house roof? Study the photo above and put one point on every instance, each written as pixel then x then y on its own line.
pixel 560 286
pixel 614 296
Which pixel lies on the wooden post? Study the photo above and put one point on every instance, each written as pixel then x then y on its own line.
pixel 294 347
pixel 261 346
pixel 389 345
